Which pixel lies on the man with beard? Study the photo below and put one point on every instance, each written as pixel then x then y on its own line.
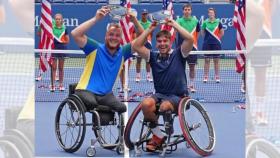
pixel 103 62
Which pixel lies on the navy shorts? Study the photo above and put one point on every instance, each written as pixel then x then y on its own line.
pixel 192 59
pixel 59 47
pixel 173 99
pixel 212 47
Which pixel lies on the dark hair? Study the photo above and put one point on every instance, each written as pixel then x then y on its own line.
pixel 188 5
pixel 214 10
pixel 164 33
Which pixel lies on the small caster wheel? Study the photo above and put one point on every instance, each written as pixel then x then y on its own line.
pixel 120 149
pixel 91 151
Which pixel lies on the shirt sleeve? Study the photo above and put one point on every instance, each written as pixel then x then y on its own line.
pixel 90 46
pixel 126 50
pixel 220 26
pixel 66 32
pixel 197 27
pixel 203 27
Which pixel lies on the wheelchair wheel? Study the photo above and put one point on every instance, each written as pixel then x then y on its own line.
pixel 261 148
pixel 109 134
pixel 20 135
pixel 196 126
pixel 9 150
pixel 70 124
pixel 20 145
pixel 133 129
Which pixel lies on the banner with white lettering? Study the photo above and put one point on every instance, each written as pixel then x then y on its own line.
pixel 76 14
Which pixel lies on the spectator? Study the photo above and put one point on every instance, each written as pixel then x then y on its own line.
pixel 61 38
pixel 212 30
pixel 191 24
pixel 145 24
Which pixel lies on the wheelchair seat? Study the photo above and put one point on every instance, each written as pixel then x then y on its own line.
pixel 89 108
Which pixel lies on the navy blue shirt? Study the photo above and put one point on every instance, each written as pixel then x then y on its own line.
pixel 169 73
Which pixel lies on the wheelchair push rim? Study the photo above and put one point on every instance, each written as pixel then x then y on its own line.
pixel 199 133
pixel 71 125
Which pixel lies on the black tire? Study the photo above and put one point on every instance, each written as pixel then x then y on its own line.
pixel 76 121
pixel 189 109
pixel 263 147
pixel 133 125
pixel 109 134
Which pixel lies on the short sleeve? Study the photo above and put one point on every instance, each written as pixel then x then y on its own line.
pixel 203 27
pixel 126 51
pixel 90 46
pixel 220 26
pixel 66 32
pixel 197 27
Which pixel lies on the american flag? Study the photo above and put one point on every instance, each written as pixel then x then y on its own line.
pixel 46 39
pixel 167 5
pixel 239 21
pixel 126 24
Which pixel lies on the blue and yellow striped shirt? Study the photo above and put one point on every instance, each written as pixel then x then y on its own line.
pixel 102 68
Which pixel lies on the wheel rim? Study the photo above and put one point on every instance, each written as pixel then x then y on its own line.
pixel 198 129
pixel 70 125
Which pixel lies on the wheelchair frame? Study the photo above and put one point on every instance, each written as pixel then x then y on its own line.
pixel 186 136
pixel 76 105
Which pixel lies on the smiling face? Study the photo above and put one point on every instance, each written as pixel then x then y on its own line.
pixel 163 42
pixel 113 37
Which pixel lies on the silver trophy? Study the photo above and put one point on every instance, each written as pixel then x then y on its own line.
pixel 117 12
pixel 160 16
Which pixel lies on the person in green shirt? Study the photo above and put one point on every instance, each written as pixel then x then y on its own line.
pixel 191 24
pixel 213 32
pixel 145 23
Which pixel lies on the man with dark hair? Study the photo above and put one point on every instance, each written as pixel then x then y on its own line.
pixel 191 24
pixel 168 67
pixel 103 62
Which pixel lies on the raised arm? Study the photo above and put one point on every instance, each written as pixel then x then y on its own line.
pixel 187 44
pixel 79 33
pixel 139 42
pixel 138 27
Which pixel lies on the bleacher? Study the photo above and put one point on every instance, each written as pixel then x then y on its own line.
pixel 135 1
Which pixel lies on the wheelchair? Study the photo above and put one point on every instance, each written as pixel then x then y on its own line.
pixel 14 143
pixel 71 122
pixel 197 130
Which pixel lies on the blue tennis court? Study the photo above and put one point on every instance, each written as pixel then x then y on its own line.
pixel 229 128
pixel 219 100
